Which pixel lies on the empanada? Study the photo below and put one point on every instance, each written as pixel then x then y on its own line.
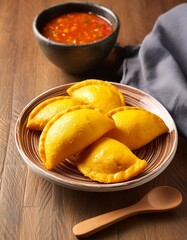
pixel 100 94
pixel 135 127
pixel 70 131
pixel 44 111
pixel 109 161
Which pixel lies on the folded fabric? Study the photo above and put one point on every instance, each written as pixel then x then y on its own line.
pixel 158 66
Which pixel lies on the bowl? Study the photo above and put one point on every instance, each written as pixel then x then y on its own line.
pixel 158 153
pixel 76 58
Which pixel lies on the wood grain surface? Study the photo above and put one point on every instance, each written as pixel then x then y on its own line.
pixel 30 206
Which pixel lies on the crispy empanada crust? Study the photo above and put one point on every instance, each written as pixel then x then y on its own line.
pixel 71 131
pixel 44 111
pixel 136 127
pixel 101 94
pixel 109 161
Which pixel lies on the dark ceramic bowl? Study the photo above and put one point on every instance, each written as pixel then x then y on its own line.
pixel 76 58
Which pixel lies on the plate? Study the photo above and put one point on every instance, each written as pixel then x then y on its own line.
pixel 159 153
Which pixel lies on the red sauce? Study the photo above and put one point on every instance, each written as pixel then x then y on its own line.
pixel 77 28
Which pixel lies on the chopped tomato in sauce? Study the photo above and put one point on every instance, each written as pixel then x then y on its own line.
pixel 77 28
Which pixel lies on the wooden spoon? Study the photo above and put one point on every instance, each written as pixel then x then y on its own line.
pixel 159 199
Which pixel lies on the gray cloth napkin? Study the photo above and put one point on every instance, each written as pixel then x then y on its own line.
pixel 159 65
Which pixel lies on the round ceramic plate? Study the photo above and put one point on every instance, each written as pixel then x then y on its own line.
pixel 159 153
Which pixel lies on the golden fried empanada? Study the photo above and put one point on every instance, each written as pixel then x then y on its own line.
pixel 135 127
pixel 109 161
pixel 71 131
pixel 44 111
pixel 100 94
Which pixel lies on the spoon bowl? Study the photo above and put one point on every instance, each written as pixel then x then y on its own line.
pixel 163 198
pixel 159 199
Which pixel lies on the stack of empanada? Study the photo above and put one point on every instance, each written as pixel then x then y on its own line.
pixel 94 122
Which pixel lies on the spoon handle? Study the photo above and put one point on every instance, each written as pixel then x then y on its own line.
pixel 93 225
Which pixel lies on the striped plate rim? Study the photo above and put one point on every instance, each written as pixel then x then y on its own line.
pixel 159 153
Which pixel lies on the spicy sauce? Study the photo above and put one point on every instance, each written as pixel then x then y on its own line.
pixel 77 28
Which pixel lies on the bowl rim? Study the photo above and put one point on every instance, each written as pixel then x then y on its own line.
pixel 90 4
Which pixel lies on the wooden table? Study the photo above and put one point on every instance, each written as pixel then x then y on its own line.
pixel 33 208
